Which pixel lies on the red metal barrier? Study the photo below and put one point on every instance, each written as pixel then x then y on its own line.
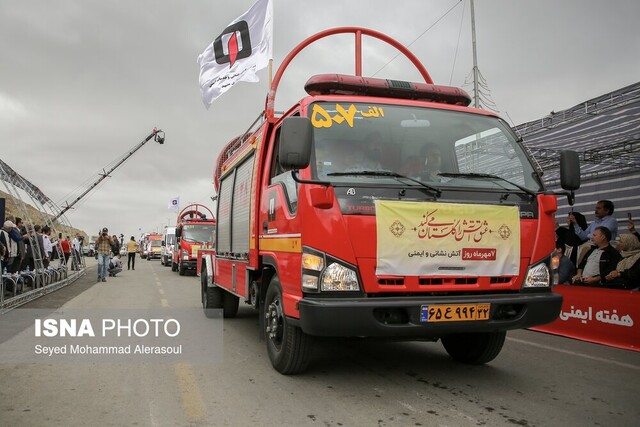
pixel 603 316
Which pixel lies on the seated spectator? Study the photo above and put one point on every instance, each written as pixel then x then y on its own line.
pixel 567 236
pixel 599 261
pixel 627 272
pixel 115 266
pixel 604 218
pixel 632 228
pixel 566 268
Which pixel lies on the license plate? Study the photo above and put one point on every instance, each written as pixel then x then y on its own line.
pixel 454 312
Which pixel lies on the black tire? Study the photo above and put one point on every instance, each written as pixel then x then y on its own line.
pixel 289 348
pixel 181 269
pixel 212 298
pixel 474 348
pixel 230 304
pixel 174 266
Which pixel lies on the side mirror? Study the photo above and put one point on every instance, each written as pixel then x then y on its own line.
pixel 178 232
pixel 296 139
pixel 163 243
pixel 570 173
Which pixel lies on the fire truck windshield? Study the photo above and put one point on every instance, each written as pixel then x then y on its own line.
pixel 202 233
pixel 438 147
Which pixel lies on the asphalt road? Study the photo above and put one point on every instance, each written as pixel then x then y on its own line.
pixel 537 380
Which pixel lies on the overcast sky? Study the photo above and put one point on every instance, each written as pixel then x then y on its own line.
pixel 82 82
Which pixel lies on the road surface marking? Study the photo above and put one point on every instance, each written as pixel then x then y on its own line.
pixel 164 302
pixel 161 291
pixel 574 353
pixel 192 404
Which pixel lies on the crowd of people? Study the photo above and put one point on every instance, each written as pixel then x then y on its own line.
pixel 596 254
pixel 23 246
pixel 20 245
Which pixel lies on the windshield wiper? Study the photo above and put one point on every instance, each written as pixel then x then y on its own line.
pixel 487 176
pixel 390 174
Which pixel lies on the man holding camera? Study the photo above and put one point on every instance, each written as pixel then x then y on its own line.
pixel 103 248
pixel 599 261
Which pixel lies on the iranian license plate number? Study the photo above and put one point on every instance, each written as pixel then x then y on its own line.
pixel 454 312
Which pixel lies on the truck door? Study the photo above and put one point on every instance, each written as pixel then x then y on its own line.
pixel 279 232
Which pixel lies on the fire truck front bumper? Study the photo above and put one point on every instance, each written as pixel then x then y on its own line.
pixel 425 317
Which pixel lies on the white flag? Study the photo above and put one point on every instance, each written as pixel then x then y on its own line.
pixel 243 48
pixel 174 204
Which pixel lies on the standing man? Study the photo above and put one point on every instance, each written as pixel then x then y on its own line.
pixel 132 247
pixel 48 246
pixel 11 247
pixel 76 248
pixel 21 234
pixel 103 246
pixel 604 218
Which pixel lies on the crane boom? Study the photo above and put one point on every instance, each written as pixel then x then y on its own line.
pixel 158 136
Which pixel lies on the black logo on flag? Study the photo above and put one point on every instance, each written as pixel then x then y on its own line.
pixel 235 50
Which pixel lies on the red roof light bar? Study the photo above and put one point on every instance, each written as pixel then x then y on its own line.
pixel 341 84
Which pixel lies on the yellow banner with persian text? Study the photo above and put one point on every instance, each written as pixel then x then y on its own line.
pixel 447 239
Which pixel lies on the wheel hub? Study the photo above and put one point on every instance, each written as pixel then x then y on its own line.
pixel 274 319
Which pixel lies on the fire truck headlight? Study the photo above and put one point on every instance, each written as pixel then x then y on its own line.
pixel 538 276
pixel 185 255
pixel 309 282
pixel 337 277
pixel 312 262
pixel 312 265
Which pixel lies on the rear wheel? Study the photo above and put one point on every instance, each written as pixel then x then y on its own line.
pixel 230 304
pixel 474 348
pixel 288 346
pixel 212 298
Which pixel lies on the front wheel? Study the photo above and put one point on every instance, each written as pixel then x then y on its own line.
pixel 174 266
pixel 288 346
pixel 181 269
pixel 474 348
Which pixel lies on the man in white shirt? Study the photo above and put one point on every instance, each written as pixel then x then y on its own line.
pixel 48 247
pixel 76 250
pixel 115 265
pixel 599 261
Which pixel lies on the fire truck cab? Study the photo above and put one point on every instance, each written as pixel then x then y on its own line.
pixel 195 229
pixel 383 208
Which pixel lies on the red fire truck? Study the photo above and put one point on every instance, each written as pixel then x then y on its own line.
pixel 195 229
pixel 382 208
pixel 154 246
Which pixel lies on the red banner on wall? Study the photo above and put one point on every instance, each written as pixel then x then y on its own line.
pixel 603 316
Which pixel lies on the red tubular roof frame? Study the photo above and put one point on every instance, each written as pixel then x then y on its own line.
pixel 195 209
pixel 358 32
